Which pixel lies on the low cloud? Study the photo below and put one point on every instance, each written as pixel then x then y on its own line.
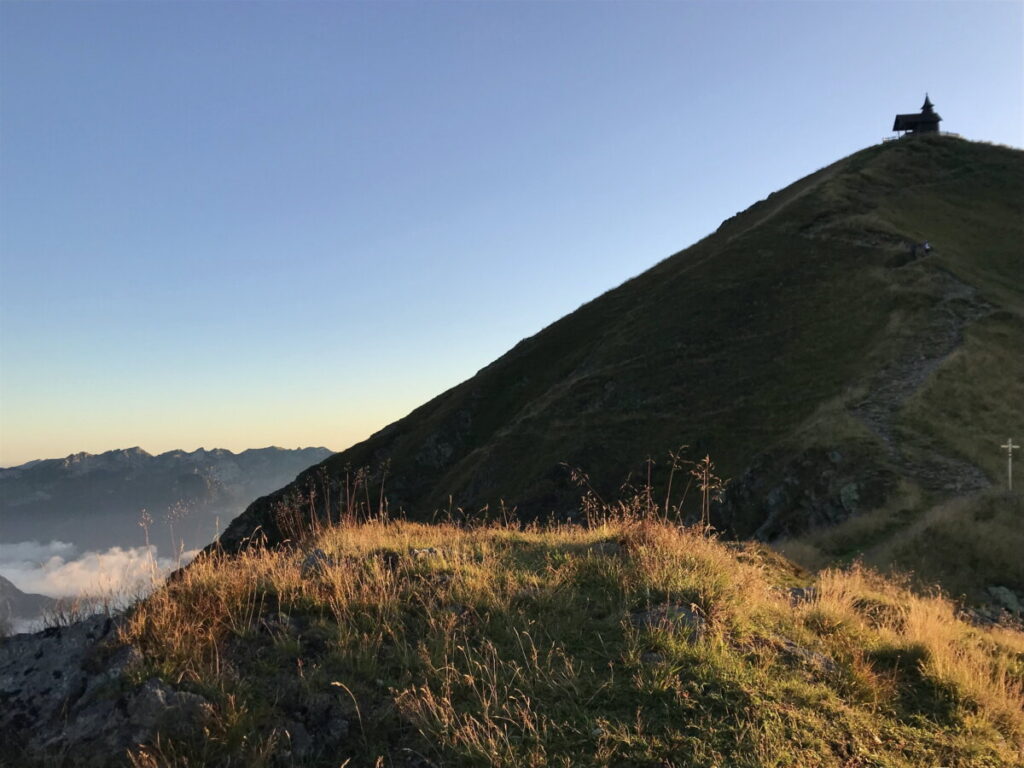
pixel 56 569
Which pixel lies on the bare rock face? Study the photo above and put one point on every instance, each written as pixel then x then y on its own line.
pixel 784 495
pixel 65 699
pixel 1007 599
pixel 42 674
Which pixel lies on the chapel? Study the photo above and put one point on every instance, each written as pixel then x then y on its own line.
pixel 925 121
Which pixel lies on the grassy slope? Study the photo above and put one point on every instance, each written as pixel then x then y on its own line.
pixel 972 208
pixel 970 199
pixel 965 544
pixel 970 401
pixel 760 335
pixel 516 648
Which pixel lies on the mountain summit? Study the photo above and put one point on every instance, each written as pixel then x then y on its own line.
pixel 850 340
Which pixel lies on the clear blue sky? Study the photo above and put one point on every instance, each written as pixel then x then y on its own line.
pixel 237 224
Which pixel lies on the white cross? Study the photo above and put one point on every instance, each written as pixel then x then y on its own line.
pixel 1009 446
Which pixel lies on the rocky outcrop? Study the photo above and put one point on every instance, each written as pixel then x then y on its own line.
pixel 1006 599
pixel 66 700
pixel 784 495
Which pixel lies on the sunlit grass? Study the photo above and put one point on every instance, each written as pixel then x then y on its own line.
pixel 501 646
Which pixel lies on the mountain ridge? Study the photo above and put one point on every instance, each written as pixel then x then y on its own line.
pixel 95 500
pixel 765 332
pixel 79 456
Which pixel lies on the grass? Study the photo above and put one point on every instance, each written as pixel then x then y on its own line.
pixel 966 544
pixel 497 645
pixel 969 403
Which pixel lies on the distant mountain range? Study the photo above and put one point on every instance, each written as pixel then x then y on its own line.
pixel 97 500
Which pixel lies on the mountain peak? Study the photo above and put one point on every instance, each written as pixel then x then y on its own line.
pixel 765 343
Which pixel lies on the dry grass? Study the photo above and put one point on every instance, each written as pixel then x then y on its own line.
pixel 981 667
pixel 500 646
pixel 964 544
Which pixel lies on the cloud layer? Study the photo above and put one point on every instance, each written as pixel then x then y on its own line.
pixel 57 569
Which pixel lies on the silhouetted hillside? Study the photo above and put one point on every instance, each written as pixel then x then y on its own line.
pixel 826 360
pixel 15 604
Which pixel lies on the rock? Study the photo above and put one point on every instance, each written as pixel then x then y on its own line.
pixel 278 624
pixel 673 617
pixel 434 452
pixel 299 741
pixel 799 595
pixel 652 657
pixel 979 617
pixel 609 548
pixel 849 496
pixel 98 730
pixel 325 719
pixel 42 674
pixel 818 661
pixel 425 552
pixel 316 564
pixel 388 558
pixel 335 731
pixel 108 676
pixel 1006 598
pixel 783 493
pixel 155 705
pixel 65 694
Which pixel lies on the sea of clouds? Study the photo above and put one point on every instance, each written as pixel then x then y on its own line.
pixel 58 569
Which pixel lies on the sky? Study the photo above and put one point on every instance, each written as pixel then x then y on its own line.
pixel 240 224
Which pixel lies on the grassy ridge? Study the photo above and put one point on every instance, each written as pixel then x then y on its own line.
pixel 633 643
pixel 762 337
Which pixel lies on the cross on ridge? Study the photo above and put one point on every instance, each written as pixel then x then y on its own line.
pixel 1009 446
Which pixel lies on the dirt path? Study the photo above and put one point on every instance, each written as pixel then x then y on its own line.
pixel 918 355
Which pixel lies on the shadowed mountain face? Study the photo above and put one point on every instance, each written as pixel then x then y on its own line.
pixel 15 604
pixel 826 360
pixel 96 501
